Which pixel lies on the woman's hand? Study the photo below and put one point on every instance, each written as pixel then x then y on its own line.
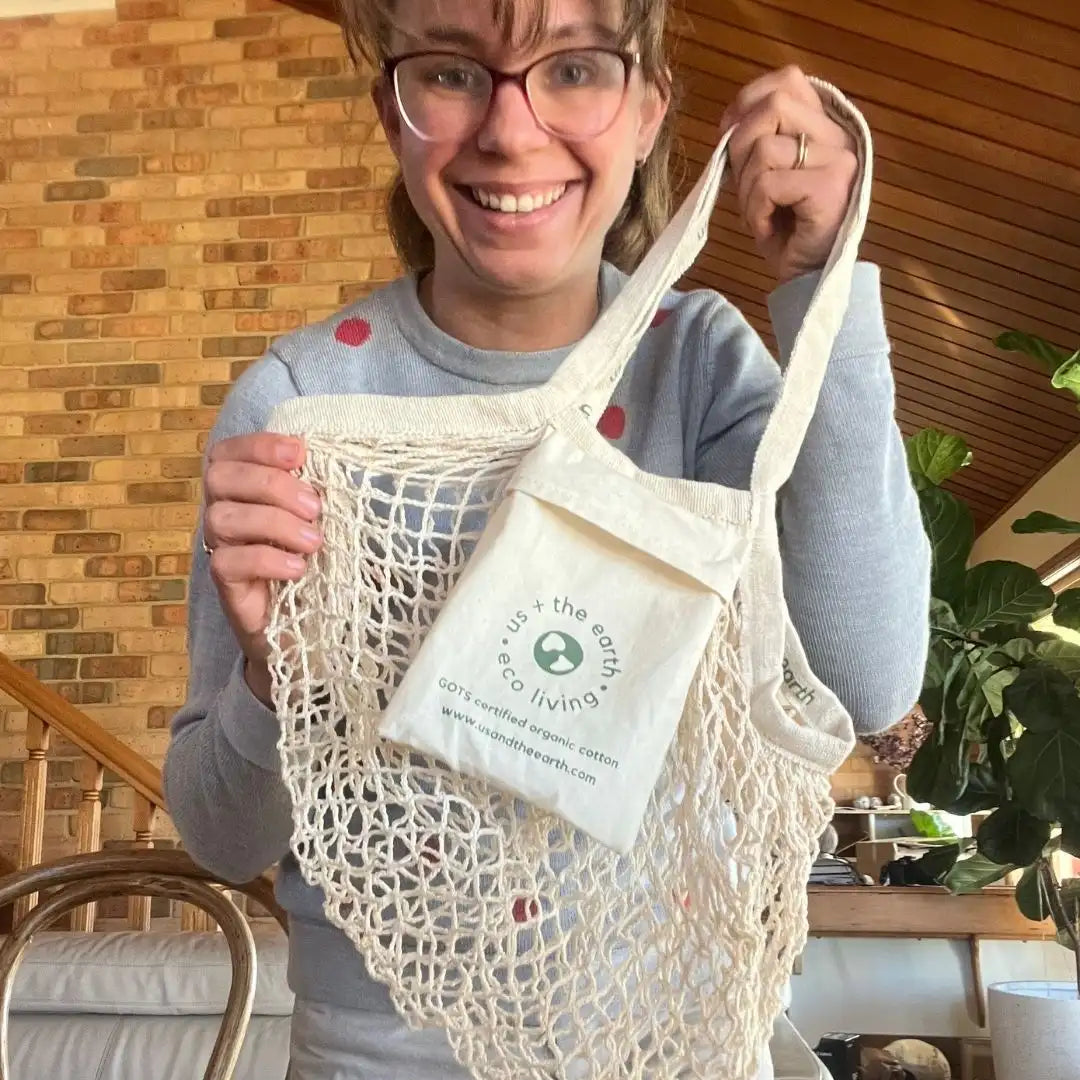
pixel 260 526
pixel 794 213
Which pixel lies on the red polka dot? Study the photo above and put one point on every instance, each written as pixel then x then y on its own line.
pixel 353 332
pixel 612 423
pixel 661 317
pixel 524 910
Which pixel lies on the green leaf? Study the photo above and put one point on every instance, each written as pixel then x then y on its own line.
pixel 1039 521
pixel 975 873
pixel 1067 377
pixel 932 825
pixel 1067 609
pixel 983 792
pixel 935 456
pixel 1050 356
pixel 938 861
pixel 1030 898
pixel 1043 699
pixel 1064 655
pixel 1045 773
pixel 939 659
pixel 999 668
pixel 1003 592
pixel 999 635
pixel 1011 835
pixel 951 532
pixel 938 771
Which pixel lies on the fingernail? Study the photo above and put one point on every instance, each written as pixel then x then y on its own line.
pixel 288 451
pixel 311 503
pixel 295 562
pixel 310 536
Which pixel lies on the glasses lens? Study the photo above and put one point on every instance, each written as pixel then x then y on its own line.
pixel 442 97
pixel 578 93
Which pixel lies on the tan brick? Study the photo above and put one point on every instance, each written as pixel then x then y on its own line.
pixel 181 32
pixel 158 541
pixel 276 180
pixel 267 321
pixel 337 272
pixel 102 257
pixel 31 307
pixel 22 645
pixel 157 119
pixel 106 213
pixel 112 79
pixel 236 252
pixel 23 593
pixel 120 470
pixel 314 112
pixel 309 157
pixel 273 137
pixel 171 491
pixel 92 446
pixel 22 174
pixel 177 163
pixel 58 329
pixel 234 346
pixel 58 424
pixel 338 178
pixel 147 9
pixel 276 48
pixel 221 299
pixel 166 443
pixel 334 225
pixel 249 26
pixel 111 304
pixel 238 117
pixel 158 141
pixel 167 691
pixel 80 593
pixel 220 184
pixel 134 326
pixel 107 166
pixel 113 667
pixel 167 349
pixel 118 34
pixel 152 97
pixel 173 564
pixel 134 235
pixel 305 296
pixel 121 566
pixel 61 377
pixel 123 423
pixel 239 207
pixel 127 374
pixel 270 275
pixel 276 92
pixel 97 399
pixel 120 617
pixel 206 140
pixel 269 228
pixel 125 280
pixel 99 352
pixel 106 122
pixel 45 618
pixel 45 214
pixel 192 232
pixel 143 56
pixel 18 238
pixel 305 68
pixel 187 420
pixel 76 236
pixel 167 667
pixel 201 96
pixel 213 53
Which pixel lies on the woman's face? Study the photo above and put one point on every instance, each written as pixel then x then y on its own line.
pixel 573 190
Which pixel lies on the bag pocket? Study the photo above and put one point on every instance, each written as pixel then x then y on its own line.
pixel 559 665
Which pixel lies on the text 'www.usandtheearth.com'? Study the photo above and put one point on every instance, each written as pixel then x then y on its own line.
pixel 512 742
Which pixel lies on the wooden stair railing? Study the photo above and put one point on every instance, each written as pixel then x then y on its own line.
pixel 48 712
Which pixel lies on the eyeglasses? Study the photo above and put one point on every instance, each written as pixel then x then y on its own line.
pixel 575 93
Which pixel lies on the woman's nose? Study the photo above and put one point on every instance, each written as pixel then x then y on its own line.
pixel 510 126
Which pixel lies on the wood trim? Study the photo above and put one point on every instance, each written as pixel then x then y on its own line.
pixel 881 911
pixel 60 715
pixel 1059 562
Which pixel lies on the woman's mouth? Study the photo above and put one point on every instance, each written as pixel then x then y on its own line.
pixel 526 203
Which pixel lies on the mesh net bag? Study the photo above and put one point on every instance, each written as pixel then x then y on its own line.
pixel 541 952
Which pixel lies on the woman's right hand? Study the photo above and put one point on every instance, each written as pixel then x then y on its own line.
pixel 260 525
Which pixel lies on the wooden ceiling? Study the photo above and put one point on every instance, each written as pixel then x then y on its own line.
pixel 975 109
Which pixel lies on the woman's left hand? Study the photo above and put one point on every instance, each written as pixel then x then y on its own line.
pixel 793 213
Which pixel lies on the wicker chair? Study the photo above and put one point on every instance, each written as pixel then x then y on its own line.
pixel 69 883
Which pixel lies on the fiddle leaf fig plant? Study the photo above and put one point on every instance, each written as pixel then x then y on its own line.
pixel 1002 697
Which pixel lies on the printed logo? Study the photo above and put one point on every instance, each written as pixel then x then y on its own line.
pixel 558 653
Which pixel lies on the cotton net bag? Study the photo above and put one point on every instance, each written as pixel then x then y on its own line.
pixel 646 927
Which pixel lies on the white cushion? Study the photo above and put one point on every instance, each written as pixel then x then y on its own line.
pixel 158 973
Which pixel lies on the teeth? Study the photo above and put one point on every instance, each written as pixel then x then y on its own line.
pixel 518 204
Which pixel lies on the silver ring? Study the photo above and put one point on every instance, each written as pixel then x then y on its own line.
pixel 800 157
pixel 206 547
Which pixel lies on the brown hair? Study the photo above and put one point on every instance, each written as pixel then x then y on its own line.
pixel 368 24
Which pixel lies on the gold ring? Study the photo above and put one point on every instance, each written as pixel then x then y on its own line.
pixel 800 157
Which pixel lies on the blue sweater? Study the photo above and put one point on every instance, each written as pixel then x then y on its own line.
pixel 692 403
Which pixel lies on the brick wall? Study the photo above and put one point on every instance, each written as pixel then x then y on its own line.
pixel 179 183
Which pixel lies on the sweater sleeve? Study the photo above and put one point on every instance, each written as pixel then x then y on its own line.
pixel 222 777
pixel 856 558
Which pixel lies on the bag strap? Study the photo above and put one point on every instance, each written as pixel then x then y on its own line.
pixel 588 376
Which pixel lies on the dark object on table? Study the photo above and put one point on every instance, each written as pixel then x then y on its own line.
pixel 840 1054
pixel 832 870
pixel 905 871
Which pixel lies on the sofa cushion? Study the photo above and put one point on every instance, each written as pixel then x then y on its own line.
pixel 155 973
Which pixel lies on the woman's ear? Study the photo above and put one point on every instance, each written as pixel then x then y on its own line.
pixel 382 93
pixel 654 107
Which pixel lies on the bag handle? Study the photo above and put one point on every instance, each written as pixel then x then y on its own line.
pixel 589 375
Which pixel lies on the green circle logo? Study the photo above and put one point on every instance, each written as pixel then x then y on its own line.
pixel 558 653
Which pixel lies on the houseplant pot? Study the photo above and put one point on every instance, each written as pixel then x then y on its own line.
pixel 1036 1030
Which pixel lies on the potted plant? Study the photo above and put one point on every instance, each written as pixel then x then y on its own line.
pixel 1002 698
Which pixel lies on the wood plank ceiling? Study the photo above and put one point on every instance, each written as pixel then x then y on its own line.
pixel 975 109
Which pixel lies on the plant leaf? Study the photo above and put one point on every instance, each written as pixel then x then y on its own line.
pixel 935 456
pixel 1045 773
pixel 931 825
pixel 999 667
pixel 939 659
pixel 1043 699
pixel 975 873
pixel 951 532
pixel 983 792
pixel 938 771
pixel 1003 592
pixel 938 861
pixel 1030 898
pixel 1011 835
pixel 1064 655
pixel 1067 609
pixel 1050 356
pixel 1039 521
pixel 1067 377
